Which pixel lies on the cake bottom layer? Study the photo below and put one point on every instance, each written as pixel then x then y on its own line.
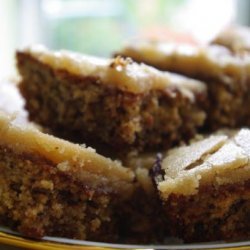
pixel 220 213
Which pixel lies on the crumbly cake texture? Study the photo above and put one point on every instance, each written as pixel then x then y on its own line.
pixel 49 186
pixel 225 73
pixel 205 188
pixel 236 38
pixel 114 102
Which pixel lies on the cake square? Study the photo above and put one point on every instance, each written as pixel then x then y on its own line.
pixel 205 188
pixel 111 104
pixel 49 186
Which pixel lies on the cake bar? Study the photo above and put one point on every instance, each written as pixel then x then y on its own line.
pixel 49 186
pixel 225 73
pixel 205 188
pixel 113 104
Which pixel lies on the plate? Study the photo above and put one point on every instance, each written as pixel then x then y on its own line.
pixel 12 238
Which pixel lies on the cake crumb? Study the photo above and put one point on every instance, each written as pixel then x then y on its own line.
pixel 63 166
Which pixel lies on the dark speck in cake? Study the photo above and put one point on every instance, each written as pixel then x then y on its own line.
pixel 156 172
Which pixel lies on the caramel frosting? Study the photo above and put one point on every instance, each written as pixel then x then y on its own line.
pixel 67 157
pixel 236 38
pixel 214 60
pixel 217 160
pixel 123 74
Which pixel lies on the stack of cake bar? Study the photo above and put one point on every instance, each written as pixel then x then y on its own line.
pixel 150 144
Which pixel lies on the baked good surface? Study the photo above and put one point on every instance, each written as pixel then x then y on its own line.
pixel 119 73
pixel 225 73
pixel 190 59
pixel 236 38
pixel 49 186
pixel 114 103
pixel 205 188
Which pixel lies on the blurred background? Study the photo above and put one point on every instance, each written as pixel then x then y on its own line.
pixel 100 27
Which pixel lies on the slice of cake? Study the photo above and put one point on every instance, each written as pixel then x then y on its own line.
pixel 227 76
pixel 112 104
pixel 49 186
pixel 205 188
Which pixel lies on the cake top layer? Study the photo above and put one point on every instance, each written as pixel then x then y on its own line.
pixel 219 159
pixel 68 157
pixel 123 74
pixel 236 38
pixel 214 60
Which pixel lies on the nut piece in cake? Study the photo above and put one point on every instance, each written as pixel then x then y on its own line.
pixel 226 74
pixel 109 102
pixel 49 186
pixel 205 188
